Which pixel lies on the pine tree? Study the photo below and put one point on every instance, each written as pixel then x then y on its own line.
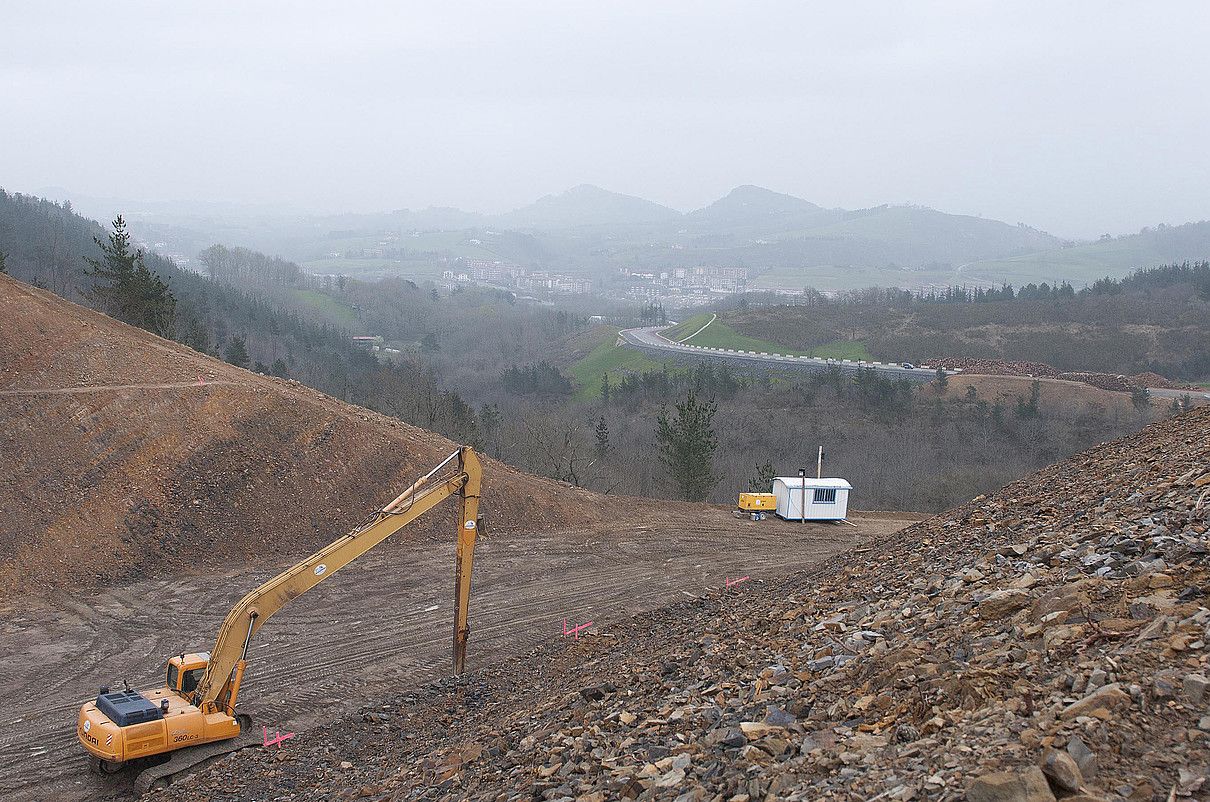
pixel 1140 397
pixel 236 352
pixel 3 262
pixel 113 273
pixel 762 480
pixel 942 380
pixel 126 288
pixel 686 446
pixel 605 389
pixel 602 438
pixel 279 369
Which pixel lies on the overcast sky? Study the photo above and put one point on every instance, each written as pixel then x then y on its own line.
pixel 1077 117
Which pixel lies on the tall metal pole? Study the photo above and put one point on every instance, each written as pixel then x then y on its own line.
pixel 802 499
pixel 819 465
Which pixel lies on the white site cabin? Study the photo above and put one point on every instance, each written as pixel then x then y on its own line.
pixel 807 499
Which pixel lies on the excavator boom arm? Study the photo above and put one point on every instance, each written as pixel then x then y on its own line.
pixel 247 616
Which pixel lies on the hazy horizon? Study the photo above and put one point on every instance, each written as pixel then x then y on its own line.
pixel 1077 124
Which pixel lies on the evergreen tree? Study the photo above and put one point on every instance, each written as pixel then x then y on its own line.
pixel 762 480
pixel 126 288
pixel 489 426
pixel 602 438
pixel 236 352
pixel 194 335
pixel 942 380
pixel 605 390
pixel 279 369
pixel 686 446
pixel 1141 398
pixel 3 262
pixel 1030 408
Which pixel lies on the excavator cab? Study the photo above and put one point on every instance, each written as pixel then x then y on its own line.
pixel 185 671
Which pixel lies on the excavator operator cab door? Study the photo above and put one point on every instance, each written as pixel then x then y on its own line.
pixel 185 671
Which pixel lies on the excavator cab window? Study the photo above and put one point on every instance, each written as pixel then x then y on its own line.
pixel 173 676
pixel 192 678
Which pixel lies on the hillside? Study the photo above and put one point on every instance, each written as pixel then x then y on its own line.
pixel 1163 328
pixel 754 206
pixel 126 454
pixel 1047 640
pixel 587 205
pixel 1114 257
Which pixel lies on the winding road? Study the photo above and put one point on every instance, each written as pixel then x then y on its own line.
pixel 649 339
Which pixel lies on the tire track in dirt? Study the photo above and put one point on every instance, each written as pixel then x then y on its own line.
pixel 98 388
pixel 369 632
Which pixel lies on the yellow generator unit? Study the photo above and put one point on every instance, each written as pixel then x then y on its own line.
pixel 756 503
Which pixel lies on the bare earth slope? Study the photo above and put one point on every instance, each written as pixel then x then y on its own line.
pixel 1058 626
pixel 122 454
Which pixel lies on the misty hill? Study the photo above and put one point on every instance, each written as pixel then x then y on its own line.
pixel 1111 256
pixel 784 241
pixel 587 205
pixel 748 204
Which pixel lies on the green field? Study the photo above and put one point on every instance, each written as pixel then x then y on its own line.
pixel 686 327
pixel 336 311
pixel 607 358
pixel 720 335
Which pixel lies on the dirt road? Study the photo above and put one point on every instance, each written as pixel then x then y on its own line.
pixel 383 624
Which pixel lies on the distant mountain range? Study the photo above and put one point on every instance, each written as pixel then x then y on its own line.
pixel 784 241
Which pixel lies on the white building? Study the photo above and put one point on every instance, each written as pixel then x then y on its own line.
pixel 809 499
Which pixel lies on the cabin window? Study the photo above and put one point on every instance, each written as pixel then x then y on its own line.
pixel 173 674
pixel 825 495
pixel 192 678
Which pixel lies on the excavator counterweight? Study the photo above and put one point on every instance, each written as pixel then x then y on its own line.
pixel 196 707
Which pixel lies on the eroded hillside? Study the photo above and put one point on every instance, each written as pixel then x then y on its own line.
pixel 123 454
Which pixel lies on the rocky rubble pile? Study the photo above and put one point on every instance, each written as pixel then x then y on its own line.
pixel 1105 381
pixel 1049 641
pixel 993 367
pixel 1155 380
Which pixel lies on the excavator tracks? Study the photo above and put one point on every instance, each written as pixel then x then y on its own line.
pixel 183 761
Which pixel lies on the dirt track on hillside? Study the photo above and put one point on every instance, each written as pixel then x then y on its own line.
pixel 381 625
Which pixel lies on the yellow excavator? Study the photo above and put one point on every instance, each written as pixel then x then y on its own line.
pixel 193 717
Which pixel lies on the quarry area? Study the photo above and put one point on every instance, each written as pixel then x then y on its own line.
pixel 1046 641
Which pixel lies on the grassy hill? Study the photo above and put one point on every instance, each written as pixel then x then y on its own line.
pixel 1084 264
pixel 718 334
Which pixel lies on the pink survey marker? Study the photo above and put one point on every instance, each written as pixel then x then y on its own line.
pixel 574 630
pixel 276 741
